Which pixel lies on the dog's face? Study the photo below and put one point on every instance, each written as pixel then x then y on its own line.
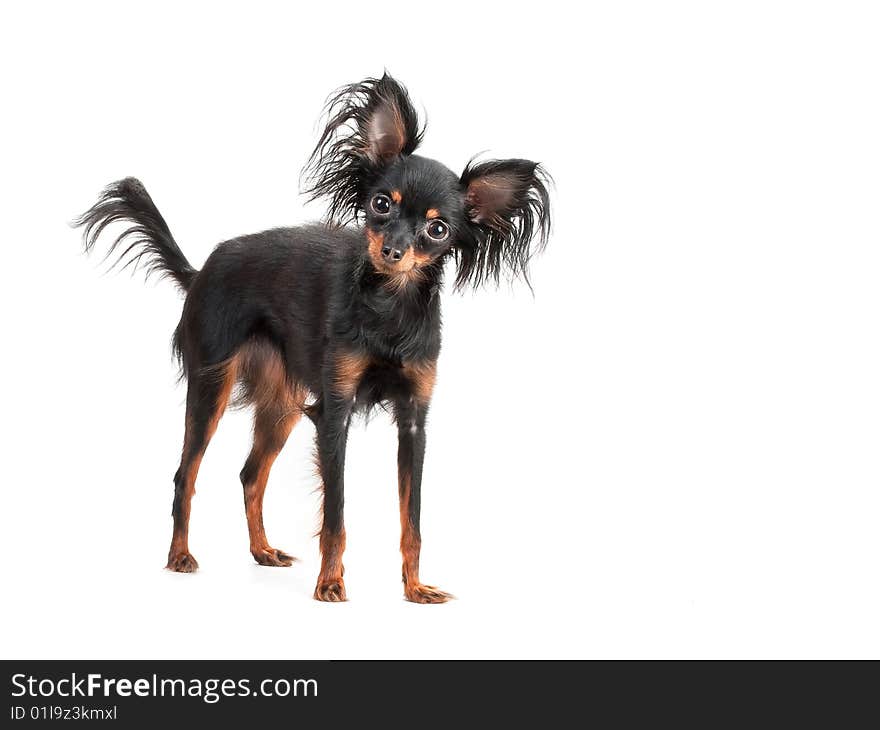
pixel 416 211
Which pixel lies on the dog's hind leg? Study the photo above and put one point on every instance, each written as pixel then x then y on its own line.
pixel 206 399
pixel 278 406
pixel 272 425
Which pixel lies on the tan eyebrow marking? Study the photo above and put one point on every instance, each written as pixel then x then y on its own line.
pixel 432 213
pixel 396 196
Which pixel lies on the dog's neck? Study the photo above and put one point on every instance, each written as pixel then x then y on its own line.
pixel 400 318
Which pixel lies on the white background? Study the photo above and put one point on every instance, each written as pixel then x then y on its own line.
pixel 670 451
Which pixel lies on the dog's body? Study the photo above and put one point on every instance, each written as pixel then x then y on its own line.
pixel 326 320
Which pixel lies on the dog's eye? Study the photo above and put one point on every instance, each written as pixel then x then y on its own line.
pixel 437 230
pixel 381 204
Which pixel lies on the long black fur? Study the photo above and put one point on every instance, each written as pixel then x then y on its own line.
pixel 149 238
pixel 329 319
pixel 504 241
pixel 341 166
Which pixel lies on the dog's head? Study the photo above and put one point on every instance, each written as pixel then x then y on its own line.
pixel 416 211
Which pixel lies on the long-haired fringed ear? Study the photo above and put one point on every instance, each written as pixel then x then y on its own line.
pixel 509 210
pixel 368 125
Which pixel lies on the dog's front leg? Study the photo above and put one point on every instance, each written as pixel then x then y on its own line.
pixel 332 434
pixel 332 415
pixel 410 414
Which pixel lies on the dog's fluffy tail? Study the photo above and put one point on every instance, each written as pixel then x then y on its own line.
pixel 148 241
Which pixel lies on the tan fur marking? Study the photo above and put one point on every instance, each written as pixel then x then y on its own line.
pixel 396 196
pixel 226 373
pixel 398 281
pixel 422 258
pixel 272 426
pixel 264 381
pixel 349 368
pixel 400 273
pixel 332 547
pixel 432 213
pixel 410 542
pixel 410 549
pixel 375 241
pixel 331 586
pixel 229 378
pixel 407 261
pixel 422 375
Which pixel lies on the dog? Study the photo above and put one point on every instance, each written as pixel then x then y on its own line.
pixel 332 319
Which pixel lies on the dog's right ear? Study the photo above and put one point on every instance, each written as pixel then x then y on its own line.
pixel 368 125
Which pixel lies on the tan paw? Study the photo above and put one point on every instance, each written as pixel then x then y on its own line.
pixel 332 591
pixel 182 563
pixel 273 557
pixel 420 593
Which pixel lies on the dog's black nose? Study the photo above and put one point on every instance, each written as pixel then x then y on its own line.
pixel 392 254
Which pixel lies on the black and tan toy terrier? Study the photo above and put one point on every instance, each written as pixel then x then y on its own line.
pixel 332 319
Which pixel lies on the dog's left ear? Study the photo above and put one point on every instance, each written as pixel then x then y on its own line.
pixel 508 208
pixel 369 124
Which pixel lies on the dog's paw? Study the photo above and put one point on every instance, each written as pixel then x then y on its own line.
pixel 273 557
pixel 332 591
pixel 420 593
pixel 182 563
